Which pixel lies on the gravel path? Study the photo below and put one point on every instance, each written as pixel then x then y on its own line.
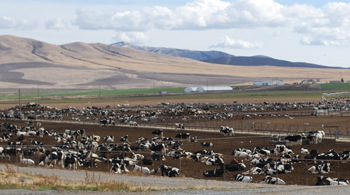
pixel 175 185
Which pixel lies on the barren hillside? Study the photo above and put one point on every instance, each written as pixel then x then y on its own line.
pixel 28 63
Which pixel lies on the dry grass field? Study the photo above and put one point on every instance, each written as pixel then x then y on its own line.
pixel 78 65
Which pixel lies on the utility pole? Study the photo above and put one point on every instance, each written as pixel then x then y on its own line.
pixel 38 93
pixel 19 101
pixel 154 89
pixel 99 91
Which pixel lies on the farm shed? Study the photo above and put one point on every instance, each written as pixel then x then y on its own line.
pixel 190 89
pixel 280 82
pixel 213 88
pixel 262 83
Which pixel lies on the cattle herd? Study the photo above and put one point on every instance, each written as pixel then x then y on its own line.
pixel 94 137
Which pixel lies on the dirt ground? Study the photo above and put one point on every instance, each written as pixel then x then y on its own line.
pixel 195 169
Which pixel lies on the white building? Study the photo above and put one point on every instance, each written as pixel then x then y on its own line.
pixel 207 88
pixel 280 82
pixel 213 88
pixel 268 83
pixel 262 83
pixel 190 89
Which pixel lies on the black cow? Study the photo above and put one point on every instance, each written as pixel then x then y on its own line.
pixel 158 132
pixel 21 138
pixel 234 167
pixel 146 161
pixel 214 173
pixel 184 136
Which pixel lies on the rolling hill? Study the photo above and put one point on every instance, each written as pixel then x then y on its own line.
pixel 195 55
pixel 30 64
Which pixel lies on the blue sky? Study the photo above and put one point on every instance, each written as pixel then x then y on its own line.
pixel 313 31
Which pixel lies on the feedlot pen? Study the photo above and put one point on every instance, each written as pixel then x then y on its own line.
pixel 188 168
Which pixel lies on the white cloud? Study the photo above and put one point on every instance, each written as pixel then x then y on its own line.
pixel 16 24
pixel 236 44
pixel 329 29
pixel 200 14
pixel 57 24
pixel 136 38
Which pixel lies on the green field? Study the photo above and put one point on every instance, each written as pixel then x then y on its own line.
pixel 140 95
pixel 63 94
pixel 335 86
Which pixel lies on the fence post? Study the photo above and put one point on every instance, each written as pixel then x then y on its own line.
pixel 338 173
pixel 307 174
pixel 224 168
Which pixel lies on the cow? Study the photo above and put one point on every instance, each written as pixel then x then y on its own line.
pixel 316 136
pixel 124 138
pixel 109 138
pixel 233 167
pixel 207 144
pixel 184 136
pixel 279 149
pixel 158 132
pixel 168 171
pixel 179 126
pixel 304 151
pixel 324 180
pixel 295 138
pixel 226 130
pixel 133 124
pixel 243 178
pixel 144 170
pixel 160 147
pixel 320 169
pixel 254 171
pixel 214 173
pixel 273 180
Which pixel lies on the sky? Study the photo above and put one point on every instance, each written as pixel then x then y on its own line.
pixel 313 31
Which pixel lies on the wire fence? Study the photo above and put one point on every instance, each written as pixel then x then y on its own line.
pixel 189 168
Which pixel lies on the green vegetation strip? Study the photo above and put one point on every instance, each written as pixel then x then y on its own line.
pixel 335 86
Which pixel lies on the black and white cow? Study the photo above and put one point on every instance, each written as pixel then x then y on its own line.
pixel 168 171
pixel 324 181
pixel 179 126
pixel 295 138
pixel 133 124
pixel 184 136
pixel 243 178
pixel 279 149
pixel 316 136
pixel 214 173
pixel 109 138
pixel 254 171
pixel 226 130
pixel 273 180
pixel 158 132
pixel 124 138
pixel 207 144
pixel 320 169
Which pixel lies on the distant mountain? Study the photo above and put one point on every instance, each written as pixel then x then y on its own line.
pixel 218 57
pixel 196 55
pixel 261 61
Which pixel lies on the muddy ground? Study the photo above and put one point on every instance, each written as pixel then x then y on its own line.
pixel 195 169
